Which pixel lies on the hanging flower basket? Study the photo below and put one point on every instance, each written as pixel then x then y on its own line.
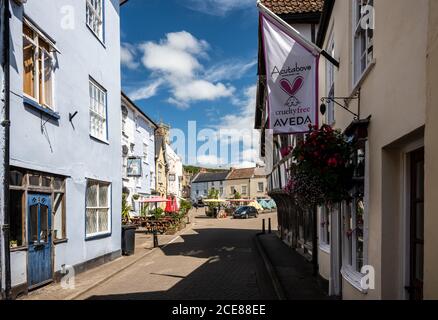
pixel 322 171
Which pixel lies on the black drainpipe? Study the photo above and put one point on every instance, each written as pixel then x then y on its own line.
pixel 6 124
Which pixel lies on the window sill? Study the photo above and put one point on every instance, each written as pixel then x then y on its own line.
pixel 33 104
pixel 18 249
pixel 363 77
pixel 60 241
pixel 353 278
pixel 98 236
pixel 324 248
pixel 99 139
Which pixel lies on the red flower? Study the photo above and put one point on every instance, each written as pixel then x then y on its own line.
pixel 332 162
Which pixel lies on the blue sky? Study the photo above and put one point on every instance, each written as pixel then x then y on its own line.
pixel 194 60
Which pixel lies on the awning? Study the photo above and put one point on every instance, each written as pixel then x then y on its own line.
pixel 214 200
pixel 155 200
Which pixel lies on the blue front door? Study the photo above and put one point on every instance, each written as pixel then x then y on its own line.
pixel 40 239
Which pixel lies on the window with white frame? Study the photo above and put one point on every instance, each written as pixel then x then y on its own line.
pixel 145 152
pixel 363 33
pixel 38 67
pixel 152 180
pixel 95 17
pixel 244 189
pixel 353 216
pixel 325 226
pixel 125 113
pixel 98 215
pixel 98 114
pixel 261 186
pixel 330 83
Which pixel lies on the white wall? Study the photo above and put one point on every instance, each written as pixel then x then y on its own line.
pixel 67 148
pixel 175 168
pixel 139 132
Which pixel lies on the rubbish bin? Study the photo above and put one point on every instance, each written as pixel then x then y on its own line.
pixel 128 239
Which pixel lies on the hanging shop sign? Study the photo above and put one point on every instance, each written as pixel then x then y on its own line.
pixel 134 167
pixel 292 79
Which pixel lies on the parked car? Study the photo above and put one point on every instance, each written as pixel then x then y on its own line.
pixel 245 212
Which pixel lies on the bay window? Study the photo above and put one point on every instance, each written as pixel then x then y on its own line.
pixel 325 222
pixel 98 112
pixel 98 217
pixel 38 67
pixel 95 17
pixel 354 215
pixel 363 34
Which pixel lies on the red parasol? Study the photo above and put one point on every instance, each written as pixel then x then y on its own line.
pixel 175 205
pixel 154 200
pixel 169 205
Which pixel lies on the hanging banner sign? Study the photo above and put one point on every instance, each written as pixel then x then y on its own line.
pixel 292 80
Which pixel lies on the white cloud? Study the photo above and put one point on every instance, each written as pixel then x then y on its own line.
pixel 229 71
pixel 237 129
pixel 146 91
pixel 198 90
pixel 127 56
pixel 175 61
pixel 176 55
pixel 210 160
pixel 219 7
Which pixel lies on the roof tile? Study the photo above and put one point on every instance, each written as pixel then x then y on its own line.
pixel 294 6
pixel 237 174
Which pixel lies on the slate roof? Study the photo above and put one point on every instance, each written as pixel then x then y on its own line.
pixel 210 177
pixel 294 6
pixel 237 174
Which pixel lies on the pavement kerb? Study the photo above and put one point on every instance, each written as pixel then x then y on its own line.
pixel 279 291
pixel 110 276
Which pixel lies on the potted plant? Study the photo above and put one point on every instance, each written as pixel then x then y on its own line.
pixel 128 229
pixel 322 171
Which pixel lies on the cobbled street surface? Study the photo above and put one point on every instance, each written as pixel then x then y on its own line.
pixel 214 259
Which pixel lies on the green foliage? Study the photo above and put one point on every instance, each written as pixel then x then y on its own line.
pixel 144 210
pixel 195 170
pixel 213 194
pixel 136 197
pixel 237 195
pixel 192 169
pixel 126 208
pixel 157 213
pixel 322 170
pixel 185 206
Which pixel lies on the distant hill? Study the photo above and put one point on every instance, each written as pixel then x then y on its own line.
pixel 195 170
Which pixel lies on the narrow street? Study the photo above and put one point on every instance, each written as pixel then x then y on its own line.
pixel 215 259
